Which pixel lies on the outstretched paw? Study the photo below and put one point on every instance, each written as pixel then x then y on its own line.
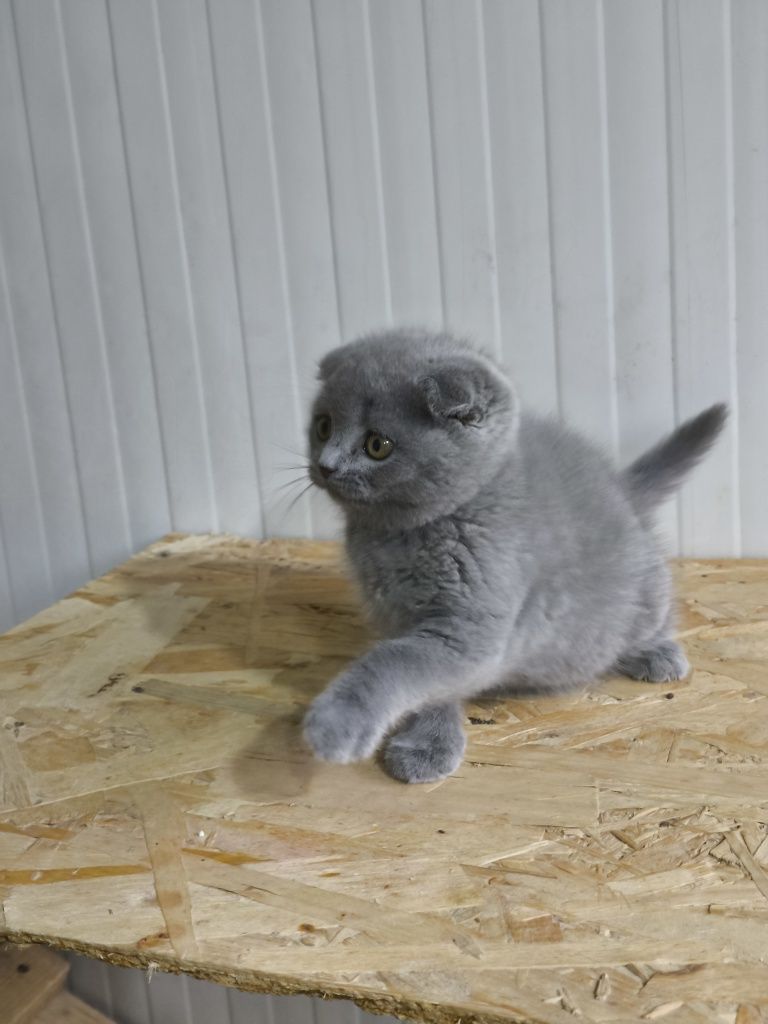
pixel 339 727
pixel 659 664
pixel 429 747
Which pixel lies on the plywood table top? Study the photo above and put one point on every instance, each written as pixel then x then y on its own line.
pixel 601 855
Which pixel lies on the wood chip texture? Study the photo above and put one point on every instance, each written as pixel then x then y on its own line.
pixel 601 855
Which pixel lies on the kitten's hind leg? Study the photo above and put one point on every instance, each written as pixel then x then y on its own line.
pixel 660 662
pixel 428 746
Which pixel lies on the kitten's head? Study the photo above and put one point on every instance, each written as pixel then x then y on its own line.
pixel 407 425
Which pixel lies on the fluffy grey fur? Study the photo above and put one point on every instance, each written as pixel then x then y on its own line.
pixel 496 550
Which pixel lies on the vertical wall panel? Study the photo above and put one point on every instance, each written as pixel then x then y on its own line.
pixel 639 207
pixel 165 273
pixel 336 1011
pixel 577 174
pixel 8 614
pixel 297 1010
pixel 128 994
pixel 456 71
pixel 351 139
pixel 206 1001
pixel 96 116
pixel 70 257
pixel 186 54
pixel 91 980
pixel 289 49
pixel 699 111
pixel 248 1008
pixel 518 153
pixel 25 581
pixel 402 101
pixel 749 27
pixel 40 381
pixel 247 140
pixel 167 997
pixel 304 208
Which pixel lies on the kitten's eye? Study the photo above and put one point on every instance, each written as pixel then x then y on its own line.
pixel 378 447
pixel 323 427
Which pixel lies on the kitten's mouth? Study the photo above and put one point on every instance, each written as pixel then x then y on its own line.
pixel 345 498
pixel 338 490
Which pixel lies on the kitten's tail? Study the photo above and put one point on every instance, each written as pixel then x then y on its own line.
pixel 660 471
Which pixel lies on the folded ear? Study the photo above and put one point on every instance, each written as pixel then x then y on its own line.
pixel 463 390
pixel 330 362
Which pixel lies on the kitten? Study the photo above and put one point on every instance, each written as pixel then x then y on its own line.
pixel 495 549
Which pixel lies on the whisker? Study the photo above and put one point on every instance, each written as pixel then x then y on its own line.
pixel 289 483
pixel 299 496
pixel 291 451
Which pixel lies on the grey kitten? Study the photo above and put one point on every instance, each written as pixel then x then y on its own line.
pixel 496 550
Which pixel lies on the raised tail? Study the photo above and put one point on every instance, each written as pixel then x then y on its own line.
pixel 660 471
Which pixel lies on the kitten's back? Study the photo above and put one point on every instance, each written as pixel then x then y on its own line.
pixel 568 478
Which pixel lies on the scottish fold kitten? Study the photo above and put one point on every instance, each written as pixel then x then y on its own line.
pixel 495 549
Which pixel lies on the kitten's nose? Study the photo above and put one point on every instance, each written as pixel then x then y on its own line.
pixel 326 471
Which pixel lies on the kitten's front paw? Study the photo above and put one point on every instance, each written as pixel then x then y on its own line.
pixel 339 727
pixel 428 747
pixel 407 763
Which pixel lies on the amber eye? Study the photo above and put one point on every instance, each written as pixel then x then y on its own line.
pixel 323 427
pixel 378 447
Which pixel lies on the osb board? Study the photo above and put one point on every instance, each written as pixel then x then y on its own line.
pixel 29 979
pixel 68 1009
pixel 603 855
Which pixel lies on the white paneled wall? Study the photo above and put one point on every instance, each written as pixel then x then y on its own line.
pixel 198 198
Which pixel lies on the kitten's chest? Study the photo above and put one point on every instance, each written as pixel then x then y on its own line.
pixel 407 577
